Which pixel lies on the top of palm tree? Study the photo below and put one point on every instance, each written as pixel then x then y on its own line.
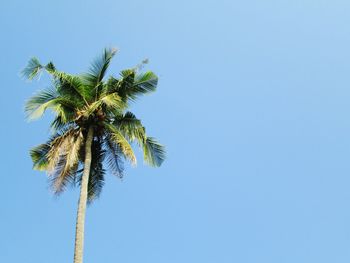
pixel 90 100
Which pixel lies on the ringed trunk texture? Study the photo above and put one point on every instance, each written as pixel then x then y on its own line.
pixel 79 229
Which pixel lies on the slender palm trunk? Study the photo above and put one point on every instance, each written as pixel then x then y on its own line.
pixel 79 230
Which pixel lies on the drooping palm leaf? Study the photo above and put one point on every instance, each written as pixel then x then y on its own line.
pixel 49 99
pixel 131 127
pixel 39 153
pixel 66 143
pixel 60 177
pixel 60 123
pixel 153 152
pixel 122 143
pixel 63 159
pixel 114 157
pixel 39 156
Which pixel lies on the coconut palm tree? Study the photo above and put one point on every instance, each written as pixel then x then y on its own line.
pixel 92 129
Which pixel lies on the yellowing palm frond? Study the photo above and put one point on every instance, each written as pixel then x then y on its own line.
pixel 122 142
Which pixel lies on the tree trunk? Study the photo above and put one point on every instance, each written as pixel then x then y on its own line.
pixel 79 230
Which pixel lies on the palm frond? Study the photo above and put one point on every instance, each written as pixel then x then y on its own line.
pixel 69 85
pixel 131 127
pixel 114 157
pixel 126 83
pixel 111 101
pixel 153 152
pixel 111 85
pixel 39 156
pixel 144 83
pixel 60 123
pixel 60 177
pixel 50 67
pixel 73 151
pixel 122 143
pixel 36 105
pixel 65 143
pixel 32 69
pixel 98 68
pixel 63 159
pixel 66 84
pixel 48 99
pixel 132 85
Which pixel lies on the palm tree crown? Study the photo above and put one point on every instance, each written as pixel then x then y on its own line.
pixel 90 101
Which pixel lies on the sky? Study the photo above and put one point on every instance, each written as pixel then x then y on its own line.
pixel 252 106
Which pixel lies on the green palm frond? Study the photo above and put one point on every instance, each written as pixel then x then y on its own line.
pixel 57 124
pixel 144 83
pixel 111 85
pixel 50 67
pixel 39 156
pixel 153 152
pixel 124 85
pixel 131 127
pixel 114 157
pixel 60 123
pixel 98 68
pixel 36 105
pixel 48 99
pixel 66 84
pixel 122 143
pixel 70 86
pixel 131 85
pixel 32 69
pixel 111 101
pixel 65 111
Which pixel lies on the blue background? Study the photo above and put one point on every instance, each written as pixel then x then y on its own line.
pixel 252 104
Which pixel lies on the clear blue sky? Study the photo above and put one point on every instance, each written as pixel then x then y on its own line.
pixel 253 106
